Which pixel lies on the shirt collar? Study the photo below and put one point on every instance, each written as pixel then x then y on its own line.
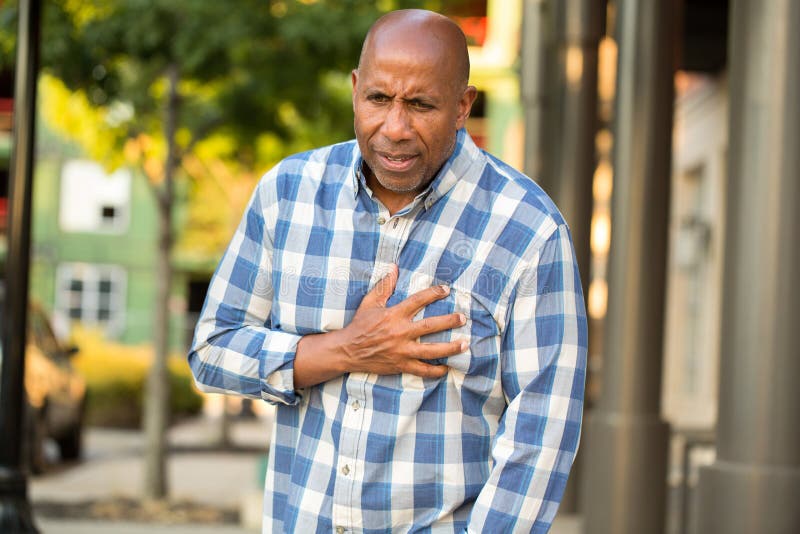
pixel 465 154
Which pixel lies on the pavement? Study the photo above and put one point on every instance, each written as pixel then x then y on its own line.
pixel 200 474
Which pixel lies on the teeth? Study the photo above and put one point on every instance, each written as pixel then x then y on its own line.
pixel 390 158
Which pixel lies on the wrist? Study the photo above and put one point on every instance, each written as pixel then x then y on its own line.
pixel 336 346
pixel 319 358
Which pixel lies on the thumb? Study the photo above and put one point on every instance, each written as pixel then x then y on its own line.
pixel 380 294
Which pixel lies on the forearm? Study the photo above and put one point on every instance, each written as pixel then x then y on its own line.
pixel 531 463
pixel 319 358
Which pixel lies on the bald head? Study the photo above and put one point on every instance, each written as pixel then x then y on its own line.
pixel 425 29
pixel 410 98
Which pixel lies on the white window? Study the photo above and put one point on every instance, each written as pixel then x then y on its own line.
pixel 92 294
pixel 93 201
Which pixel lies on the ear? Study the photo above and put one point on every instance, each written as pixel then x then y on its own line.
pixel 465 105
pixel 354 80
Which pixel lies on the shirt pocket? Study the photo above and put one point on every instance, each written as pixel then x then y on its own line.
pixel 480 331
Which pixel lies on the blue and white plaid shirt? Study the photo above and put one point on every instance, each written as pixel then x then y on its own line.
pixel 486 448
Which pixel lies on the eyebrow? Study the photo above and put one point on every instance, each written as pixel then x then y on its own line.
pixel 420 99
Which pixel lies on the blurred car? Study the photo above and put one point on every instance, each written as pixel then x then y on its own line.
pixel 55 394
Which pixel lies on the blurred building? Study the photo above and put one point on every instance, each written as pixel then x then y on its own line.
pixel 696 237
pixel 493 32
pixel 94 241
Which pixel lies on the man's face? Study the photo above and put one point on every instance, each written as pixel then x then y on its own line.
pixel 408 106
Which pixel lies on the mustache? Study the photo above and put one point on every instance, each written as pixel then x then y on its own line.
pixel 395 151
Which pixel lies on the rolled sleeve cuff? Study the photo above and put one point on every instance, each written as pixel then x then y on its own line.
pixel 277 369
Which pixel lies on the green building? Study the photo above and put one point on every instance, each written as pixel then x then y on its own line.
pixel 93 250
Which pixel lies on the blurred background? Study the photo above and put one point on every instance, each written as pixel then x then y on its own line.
pixel 666 131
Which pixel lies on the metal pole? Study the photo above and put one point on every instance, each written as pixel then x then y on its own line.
pixel 15 512
pixel 626 443
pixel 754 484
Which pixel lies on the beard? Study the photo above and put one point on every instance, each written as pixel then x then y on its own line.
pixel 404 185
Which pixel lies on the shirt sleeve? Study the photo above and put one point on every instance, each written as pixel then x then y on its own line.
pixel 543 374
pixel 235 349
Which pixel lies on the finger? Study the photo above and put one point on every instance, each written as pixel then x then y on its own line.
pixel 431 351
pixel 438 323
pixel 380 294
pixel 413 304
pixel 426 370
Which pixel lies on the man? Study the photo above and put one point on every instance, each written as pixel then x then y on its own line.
pixel 412 306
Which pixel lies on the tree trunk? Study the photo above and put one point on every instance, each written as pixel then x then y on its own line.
pixel 222 437
pixel 156 401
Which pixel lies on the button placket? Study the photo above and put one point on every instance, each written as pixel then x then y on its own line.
pixel 396 234
pixel 347 492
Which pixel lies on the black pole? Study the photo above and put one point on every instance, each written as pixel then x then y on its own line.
pixel 15 510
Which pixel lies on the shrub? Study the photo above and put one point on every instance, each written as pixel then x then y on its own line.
pixel 115 379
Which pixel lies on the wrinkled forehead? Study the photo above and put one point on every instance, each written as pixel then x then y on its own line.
pixel 408 42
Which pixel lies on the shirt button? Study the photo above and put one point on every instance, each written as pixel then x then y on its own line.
pixel 339 530
pixel 355 405
pixel 381 220
pixel 346 470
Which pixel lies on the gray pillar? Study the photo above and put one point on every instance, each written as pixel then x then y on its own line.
pixel 559 88
pixel 572 123
pixel 537 50
pixel 570 131
pixel 625 451
pixel 754 485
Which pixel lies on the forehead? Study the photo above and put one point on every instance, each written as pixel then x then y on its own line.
pixel 408 63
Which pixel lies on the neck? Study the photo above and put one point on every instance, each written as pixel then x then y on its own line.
pixel 393 200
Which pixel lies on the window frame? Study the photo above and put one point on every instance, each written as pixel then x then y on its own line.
pixel 91 275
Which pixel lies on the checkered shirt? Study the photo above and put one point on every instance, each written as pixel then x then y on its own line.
pixel 486 448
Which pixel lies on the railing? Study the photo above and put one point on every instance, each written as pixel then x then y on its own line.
pixel 691 441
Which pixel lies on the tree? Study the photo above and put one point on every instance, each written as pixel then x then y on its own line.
pixel 171 74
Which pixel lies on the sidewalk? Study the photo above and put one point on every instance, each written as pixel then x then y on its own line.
pixel 59 526
pixel 198 473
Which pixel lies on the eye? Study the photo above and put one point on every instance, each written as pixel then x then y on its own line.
pixel 378 98
pixel 419 105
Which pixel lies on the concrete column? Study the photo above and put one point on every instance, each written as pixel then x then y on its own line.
pixel 537 47
pixel 559 88
pixel 572 123
pixel 569 132
pixel 754 484
pixel 625 450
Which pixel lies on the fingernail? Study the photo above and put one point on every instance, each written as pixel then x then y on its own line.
pixel 445 288
pixel 464 345
pixel 462 318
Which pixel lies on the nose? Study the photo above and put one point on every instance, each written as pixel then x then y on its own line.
pixel 396 125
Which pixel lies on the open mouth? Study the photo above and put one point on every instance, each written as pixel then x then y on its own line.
pixel 397 162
